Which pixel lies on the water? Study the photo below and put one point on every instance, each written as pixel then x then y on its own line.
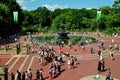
pixel 72 39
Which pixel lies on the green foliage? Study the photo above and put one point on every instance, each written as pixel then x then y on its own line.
pixel 111 31
pixel 29 29
pixel 45 38
pixel 6 18
pixel 105 10
pixel 28 18
pixel 82 38
pixel 116 4
pixel 75 19
pixel 71 18
pixel 4 10
pixel 44 20
pixel 77 38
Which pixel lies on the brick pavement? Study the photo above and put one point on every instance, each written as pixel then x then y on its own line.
pixel 87 66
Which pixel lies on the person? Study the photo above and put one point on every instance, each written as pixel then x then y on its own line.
pixel 108 74
pixel 28 49
pixel 12 76
pixel 99 46
pixel 41 74
pixel 51 64
pixel 6 72
pixel 116 47
pixel 69 63
pixel 75 59
pixel 62 43
pixel 111 55
pixel 112 41
pixel 60 58
pixel 91 50
pixel 37 74
pixel 23 76
pixel 54 70
pixel 50 74
pixel 60 49
pixel 99 52
pixel 75 50
pixel 18 75
pixel 82 45
pixel 99 66
pixel 26 75
pixel 103 65
pixel 110 47
pixel 69 44
pixel 101 56
pixel 103 45
pixel 59 66
pixel 72 63
pixel 30 74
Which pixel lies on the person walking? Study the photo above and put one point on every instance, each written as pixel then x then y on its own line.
pixel 69 63
pixel 30 74
pixel 103 65
pixel 23 76
pixel 99 52
pixel 18 75
pixel 72 63
pixel 99 66
pixel 37 74
pixel 108 74
pixel 112 55
pixel 12 76
pixel 76 61
pixel 50 74
pixel 41 74
pixel 59 66
pixel 26 75
pixel 54 70
pixel 101 56
pixel 99 46
pixel 91 50
pixel 103 45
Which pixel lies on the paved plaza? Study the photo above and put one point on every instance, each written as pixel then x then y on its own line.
pixel 86 69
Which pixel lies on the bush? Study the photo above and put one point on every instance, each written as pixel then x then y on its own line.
pixel 111 31
pixel 83 38
pixel 45 38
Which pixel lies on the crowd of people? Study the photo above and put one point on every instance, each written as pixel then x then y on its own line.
pixel 47 55
pixel 27 75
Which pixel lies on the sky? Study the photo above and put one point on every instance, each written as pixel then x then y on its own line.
pixel 53 4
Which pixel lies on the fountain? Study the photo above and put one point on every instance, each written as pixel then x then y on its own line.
pixel 63 35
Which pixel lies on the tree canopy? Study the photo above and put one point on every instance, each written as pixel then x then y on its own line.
pixel 6 18
pixel 43 20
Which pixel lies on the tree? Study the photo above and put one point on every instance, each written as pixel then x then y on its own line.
pixel 28 18
pixel 116 4
pixel 43 16
pixel 56 13
pixel 105 10
pixel 116 7
pixel 4 20
pixel 72 18
pixel 7 8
